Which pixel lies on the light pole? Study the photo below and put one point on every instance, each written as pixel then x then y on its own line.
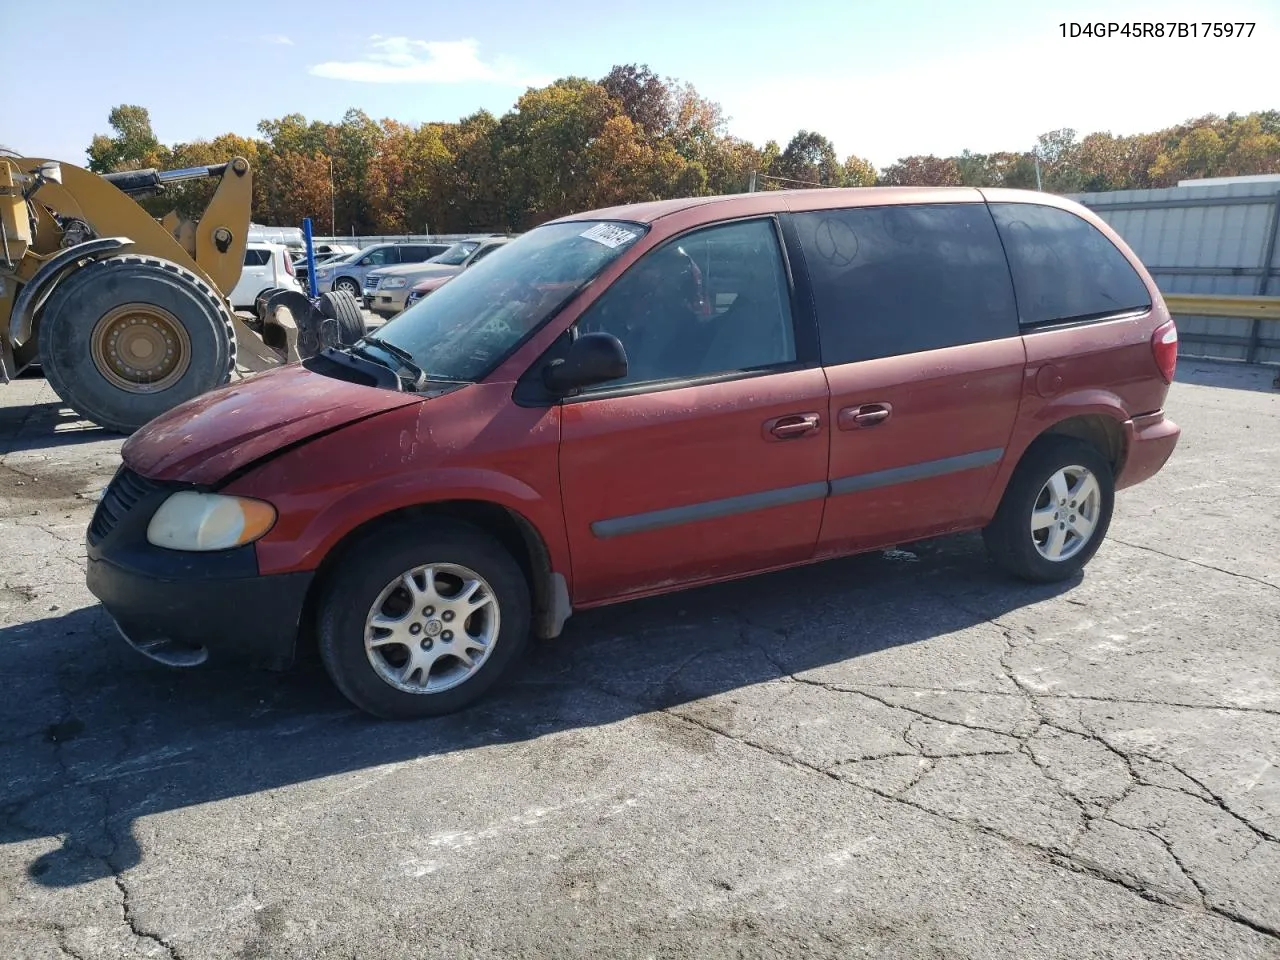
pixel 333 203
pixel 1035 157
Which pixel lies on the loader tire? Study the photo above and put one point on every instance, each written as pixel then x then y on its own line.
pixel 125 339
pixel 341 306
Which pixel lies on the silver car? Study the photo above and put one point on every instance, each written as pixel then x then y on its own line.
pixel 386 290
pixel 348 273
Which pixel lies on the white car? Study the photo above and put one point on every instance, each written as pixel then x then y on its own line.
pixel 265 265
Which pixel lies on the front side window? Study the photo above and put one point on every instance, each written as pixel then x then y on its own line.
pixel 714 301
pixel 456 253
pixel 1063 267
pixel 481 254
pixel 380 257
pixel 896 280
pixel 470 324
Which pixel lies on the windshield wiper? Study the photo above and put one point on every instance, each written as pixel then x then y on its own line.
pixel 406 358
pixel 402 355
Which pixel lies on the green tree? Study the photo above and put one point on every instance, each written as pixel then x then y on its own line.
pixel 808 160
pixel 133 146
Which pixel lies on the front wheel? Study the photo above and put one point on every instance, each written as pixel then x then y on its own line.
pixel 1055 511
pixel 347 285
pixel 422 620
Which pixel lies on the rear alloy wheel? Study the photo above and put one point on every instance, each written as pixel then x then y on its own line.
pixel 1055 512
pixel 126 339
pixel 347 285
pixel 422 621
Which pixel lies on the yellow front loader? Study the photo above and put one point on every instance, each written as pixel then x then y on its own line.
pixel 128 315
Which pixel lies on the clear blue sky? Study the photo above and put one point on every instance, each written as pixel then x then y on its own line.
pixel 882 79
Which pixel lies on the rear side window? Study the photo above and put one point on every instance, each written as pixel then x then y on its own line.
pixel 897 280
pixel 257 258
pixel 1063 267
pixel 418 253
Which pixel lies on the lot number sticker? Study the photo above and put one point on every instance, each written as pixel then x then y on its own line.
pixel 610 234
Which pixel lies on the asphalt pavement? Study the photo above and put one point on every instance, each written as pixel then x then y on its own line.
pixel 902 755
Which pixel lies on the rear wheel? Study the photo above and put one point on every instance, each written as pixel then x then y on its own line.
pixel 422 620
pixel 126 339
pixel 347 285
pixel 1055 511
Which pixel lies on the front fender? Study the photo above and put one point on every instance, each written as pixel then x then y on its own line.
pixel 36 290
pixel 333 485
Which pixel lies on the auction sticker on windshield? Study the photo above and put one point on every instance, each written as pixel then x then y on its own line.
pixel 610 234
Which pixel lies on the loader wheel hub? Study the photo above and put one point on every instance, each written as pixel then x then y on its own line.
pixel 140 347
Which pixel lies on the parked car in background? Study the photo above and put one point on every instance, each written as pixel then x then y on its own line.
pixel 642 399
pixel 386 291
pixel 300 263
pixel 265 265
pixel 348 274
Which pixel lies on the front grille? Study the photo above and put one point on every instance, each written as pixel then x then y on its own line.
pixel 371 283
pixel 121 496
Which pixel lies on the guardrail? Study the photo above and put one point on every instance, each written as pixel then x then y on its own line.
pixel 1254 337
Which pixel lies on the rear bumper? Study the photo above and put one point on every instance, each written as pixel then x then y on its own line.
pixel 1149 442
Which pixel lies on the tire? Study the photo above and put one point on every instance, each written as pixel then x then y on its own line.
pixel 373 566
pixel 1026 551
pixel 337 305
pixel 28 353
pixel 77 350
pixel 260 302
pixel 347 285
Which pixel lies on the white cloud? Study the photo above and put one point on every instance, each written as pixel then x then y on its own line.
pixel 278 39
pixel 404 60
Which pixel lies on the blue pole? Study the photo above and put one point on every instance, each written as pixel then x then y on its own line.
pixel 314 291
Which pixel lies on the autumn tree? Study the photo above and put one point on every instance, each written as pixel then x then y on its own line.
pixel 643 97
pixel 929 171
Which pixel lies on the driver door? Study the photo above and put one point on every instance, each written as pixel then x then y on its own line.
pixel 710 458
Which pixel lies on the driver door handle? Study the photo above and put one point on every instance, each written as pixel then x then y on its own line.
pixel 864 415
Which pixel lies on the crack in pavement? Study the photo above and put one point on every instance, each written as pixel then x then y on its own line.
pixel 1062 855
pixel 1272 711
pixel 1195 563
pixel 1058 857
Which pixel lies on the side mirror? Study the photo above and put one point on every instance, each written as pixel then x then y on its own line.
pixel 592 358
pixel 51 170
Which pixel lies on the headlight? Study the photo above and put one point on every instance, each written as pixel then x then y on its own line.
pixel 395 283
pixel 189 520
pixel 322 273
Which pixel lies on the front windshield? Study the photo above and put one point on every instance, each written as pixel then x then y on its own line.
pixel 456 253
pixel 465 328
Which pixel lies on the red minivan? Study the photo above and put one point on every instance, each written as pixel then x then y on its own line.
pixel 640 399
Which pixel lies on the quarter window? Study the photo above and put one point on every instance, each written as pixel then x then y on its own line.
pixel 1063 267
pixel 714 301
pixel 903 279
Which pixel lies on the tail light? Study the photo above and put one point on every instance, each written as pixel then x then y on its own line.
pixel 288 265
pixel 1164 347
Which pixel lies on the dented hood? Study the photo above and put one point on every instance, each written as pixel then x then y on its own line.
pixel 205 439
